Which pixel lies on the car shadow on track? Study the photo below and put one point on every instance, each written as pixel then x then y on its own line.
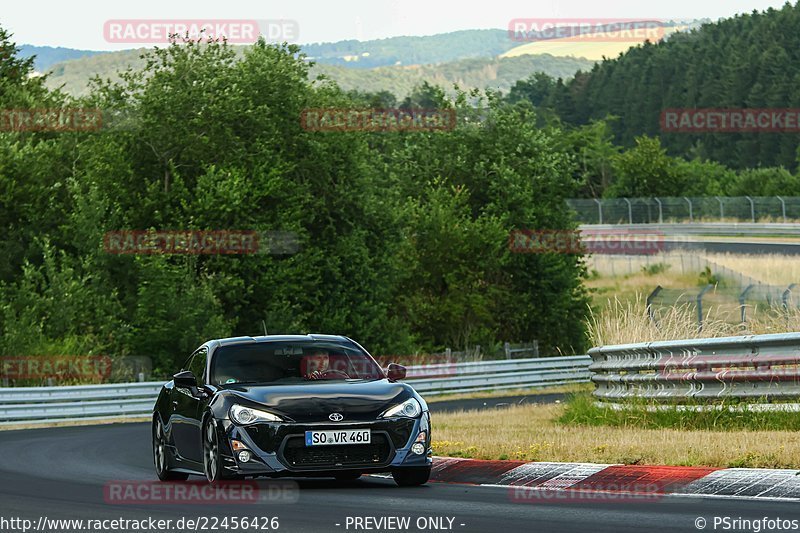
pixel 366 482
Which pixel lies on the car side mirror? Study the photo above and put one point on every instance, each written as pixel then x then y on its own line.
pixel 185 379
pixel 395 372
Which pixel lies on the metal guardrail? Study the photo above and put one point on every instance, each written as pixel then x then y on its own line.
pixel 45 405
pixel 683 208
pixel 702 228
pixel 499 375
pixel 753 367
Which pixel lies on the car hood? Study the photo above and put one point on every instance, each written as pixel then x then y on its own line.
pixel 313 402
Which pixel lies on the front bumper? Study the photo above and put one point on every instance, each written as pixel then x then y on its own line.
pixel 278 449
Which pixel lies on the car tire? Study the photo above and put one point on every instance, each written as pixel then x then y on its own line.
pixel 160 451
pixel 411 477
pixel 348 476
pixel 212 461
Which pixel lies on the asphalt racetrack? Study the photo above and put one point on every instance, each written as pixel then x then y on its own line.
pixel 63 473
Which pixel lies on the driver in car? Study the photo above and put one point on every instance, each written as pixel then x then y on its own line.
pixel 316 364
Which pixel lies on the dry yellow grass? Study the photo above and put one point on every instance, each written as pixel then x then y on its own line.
pixel 531 433
pixel 620 314
pixel 595 51
pixel 772 269
pixel 623 274
pixel 623 322
pixel 591 48
pixel 627 286
pixel 628 278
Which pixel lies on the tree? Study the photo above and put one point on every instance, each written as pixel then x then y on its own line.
pixel 644 171
pixel 595 154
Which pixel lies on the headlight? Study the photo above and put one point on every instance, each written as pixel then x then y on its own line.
pixel 409 408
pixel 246 415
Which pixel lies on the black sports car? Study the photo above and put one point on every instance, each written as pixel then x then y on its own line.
pixel 290 405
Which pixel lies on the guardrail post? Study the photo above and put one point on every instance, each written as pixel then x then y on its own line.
pixel 752 209
pixel 700 306
pixel 783 208
pixel 649 302
pixel 507 349
pixel 742 299
pixel 630 211
pixel 691 215
pixel 141 377
pixel 721 208
pixel 599 211
pixel 785 300
pixel 660 210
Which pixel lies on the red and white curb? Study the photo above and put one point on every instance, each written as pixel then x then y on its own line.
pixel 638 482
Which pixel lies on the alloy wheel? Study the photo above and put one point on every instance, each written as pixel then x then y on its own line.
pixel 210 452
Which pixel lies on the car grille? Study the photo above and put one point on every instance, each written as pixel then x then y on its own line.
pixel 269 438
pixel 297 455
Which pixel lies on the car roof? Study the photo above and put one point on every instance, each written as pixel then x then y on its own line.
pixel 309 337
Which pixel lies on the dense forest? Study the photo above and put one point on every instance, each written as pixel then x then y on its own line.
pixel 750 60
pixel 403 236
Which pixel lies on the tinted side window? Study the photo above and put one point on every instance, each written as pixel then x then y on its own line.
pixel 197 364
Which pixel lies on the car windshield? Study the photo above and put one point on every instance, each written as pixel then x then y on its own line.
pixel 291 363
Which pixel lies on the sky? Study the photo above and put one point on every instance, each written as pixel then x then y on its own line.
pixel 79 23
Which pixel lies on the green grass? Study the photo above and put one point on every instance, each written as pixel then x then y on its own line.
pixel 581 409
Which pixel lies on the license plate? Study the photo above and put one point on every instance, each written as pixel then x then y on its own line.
pixel 339 436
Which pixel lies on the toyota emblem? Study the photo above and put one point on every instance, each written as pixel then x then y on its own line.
pixel 336 417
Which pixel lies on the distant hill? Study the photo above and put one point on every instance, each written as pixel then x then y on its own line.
pixel 481 73
pixel 595 50
pixel 391 51
pixel 469 58
pixel 47 56
pixel 74 75
pixel 498 73
pixel 401 51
